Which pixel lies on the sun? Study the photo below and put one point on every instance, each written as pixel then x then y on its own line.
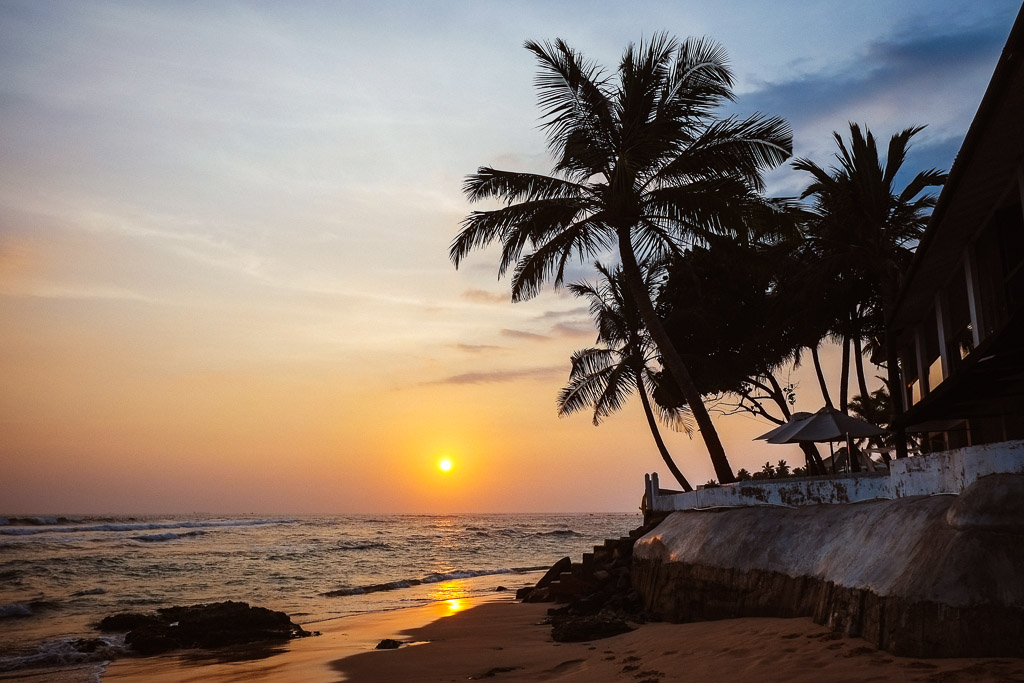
pixel 445 465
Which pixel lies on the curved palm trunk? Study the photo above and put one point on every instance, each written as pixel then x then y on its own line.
pixel 672 360
pixel 858 357
pixel 844 377
pixel 656 433
pixel 821 378
pixel 812 459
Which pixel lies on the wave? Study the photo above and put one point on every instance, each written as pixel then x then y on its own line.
pixel 35 521
pixel 140 526
pixel 91 591
pixel 360 545
pixel 67 651
pixel 559 532
pixel 429 578
pixel 169 536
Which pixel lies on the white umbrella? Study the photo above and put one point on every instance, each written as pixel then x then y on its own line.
pixel 828 424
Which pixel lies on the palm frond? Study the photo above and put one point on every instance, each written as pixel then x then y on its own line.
pixel 511 186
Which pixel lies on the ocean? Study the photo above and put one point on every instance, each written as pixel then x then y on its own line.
pixel 60 575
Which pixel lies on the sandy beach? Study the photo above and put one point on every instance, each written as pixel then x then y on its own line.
pixel 498 639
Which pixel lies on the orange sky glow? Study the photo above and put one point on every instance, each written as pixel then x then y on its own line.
pixel 224 281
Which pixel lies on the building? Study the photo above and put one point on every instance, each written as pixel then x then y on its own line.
pixel 959 319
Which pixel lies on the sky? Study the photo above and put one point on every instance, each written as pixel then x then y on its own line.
pixel 224 226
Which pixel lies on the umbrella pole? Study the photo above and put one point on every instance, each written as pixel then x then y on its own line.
pixel 832 454
pixel 854 459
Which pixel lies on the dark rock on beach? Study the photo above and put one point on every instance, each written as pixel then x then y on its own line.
pixel 577 629
pixel 388 644
pixel 202 626
pixel 596 594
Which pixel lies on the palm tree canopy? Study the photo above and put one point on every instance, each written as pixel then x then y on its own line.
pixel 863 224
pixel 603 377
pixel 637 156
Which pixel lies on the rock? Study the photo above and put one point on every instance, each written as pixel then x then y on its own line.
pixel 127 621
pixel 601 575
pixel 569 587
pixel 212 625
pixel 499 589
pixel 576 629
pixel 388 644
pixel 563 565
pixel 539 595
pixel 524 593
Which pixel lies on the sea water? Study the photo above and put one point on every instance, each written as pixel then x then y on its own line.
pixel 60 575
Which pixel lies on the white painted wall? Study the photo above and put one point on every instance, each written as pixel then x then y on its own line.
pixel 945 472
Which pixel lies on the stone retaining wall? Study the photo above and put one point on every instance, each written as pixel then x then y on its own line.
pixel 921 576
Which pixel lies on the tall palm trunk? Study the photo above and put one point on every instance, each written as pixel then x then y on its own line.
pixel 821 378
pixel 889 289
pixel 672 360
pixel 812 459
pixel 656 433
pixel 858 358
pixel 844 378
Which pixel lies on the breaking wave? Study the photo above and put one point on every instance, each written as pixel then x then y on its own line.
pixel 169 536
pixel 66 651
pixel 137 526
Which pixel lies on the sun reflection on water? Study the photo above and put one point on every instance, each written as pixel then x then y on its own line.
pixel 450 597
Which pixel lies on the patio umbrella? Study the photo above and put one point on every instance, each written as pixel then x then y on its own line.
pixel 828 424
pixel 787 428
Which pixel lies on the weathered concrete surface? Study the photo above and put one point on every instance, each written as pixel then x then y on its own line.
pixel 796 491
pixel 945 472
pixel 953 471
pixel 937 576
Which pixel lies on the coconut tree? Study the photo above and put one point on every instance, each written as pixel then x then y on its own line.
pixel 641 168
pixel 603 377
pixel 867 230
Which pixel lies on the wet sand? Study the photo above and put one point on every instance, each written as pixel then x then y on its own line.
pixel 502 641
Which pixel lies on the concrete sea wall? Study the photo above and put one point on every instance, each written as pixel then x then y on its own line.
pixel 923 576
pixel 945 472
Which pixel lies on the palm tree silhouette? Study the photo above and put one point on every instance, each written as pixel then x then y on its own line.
pixel 641 167
pixel 865 230
pixel 603 377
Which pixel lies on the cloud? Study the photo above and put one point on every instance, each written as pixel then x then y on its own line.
pixel 477 348
pixel 571 313
pixel 902 80
pixel 573 330
pixel 523 334
pixel 496 376
pixel 482 296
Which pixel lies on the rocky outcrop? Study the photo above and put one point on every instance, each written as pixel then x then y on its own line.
pixel 596 594
pixel 939 576
pixel 213 625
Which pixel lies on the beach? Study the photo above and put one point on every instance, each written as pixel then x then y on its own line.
pixel 495 638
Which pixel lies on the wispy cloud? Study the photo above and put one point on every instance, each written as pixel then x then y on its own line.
pixel 558 315
pixel 478 348
pixel 496 376
pixel 523 334
pixel 482 296
pixel 573 329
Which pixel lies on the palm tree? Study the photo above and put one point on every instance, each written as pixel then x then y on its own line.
pixel 641 167
pixel 603 377
pixel 866 230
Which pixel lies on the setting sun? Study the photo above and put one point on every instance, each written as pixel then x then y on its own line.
pixel 445 465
